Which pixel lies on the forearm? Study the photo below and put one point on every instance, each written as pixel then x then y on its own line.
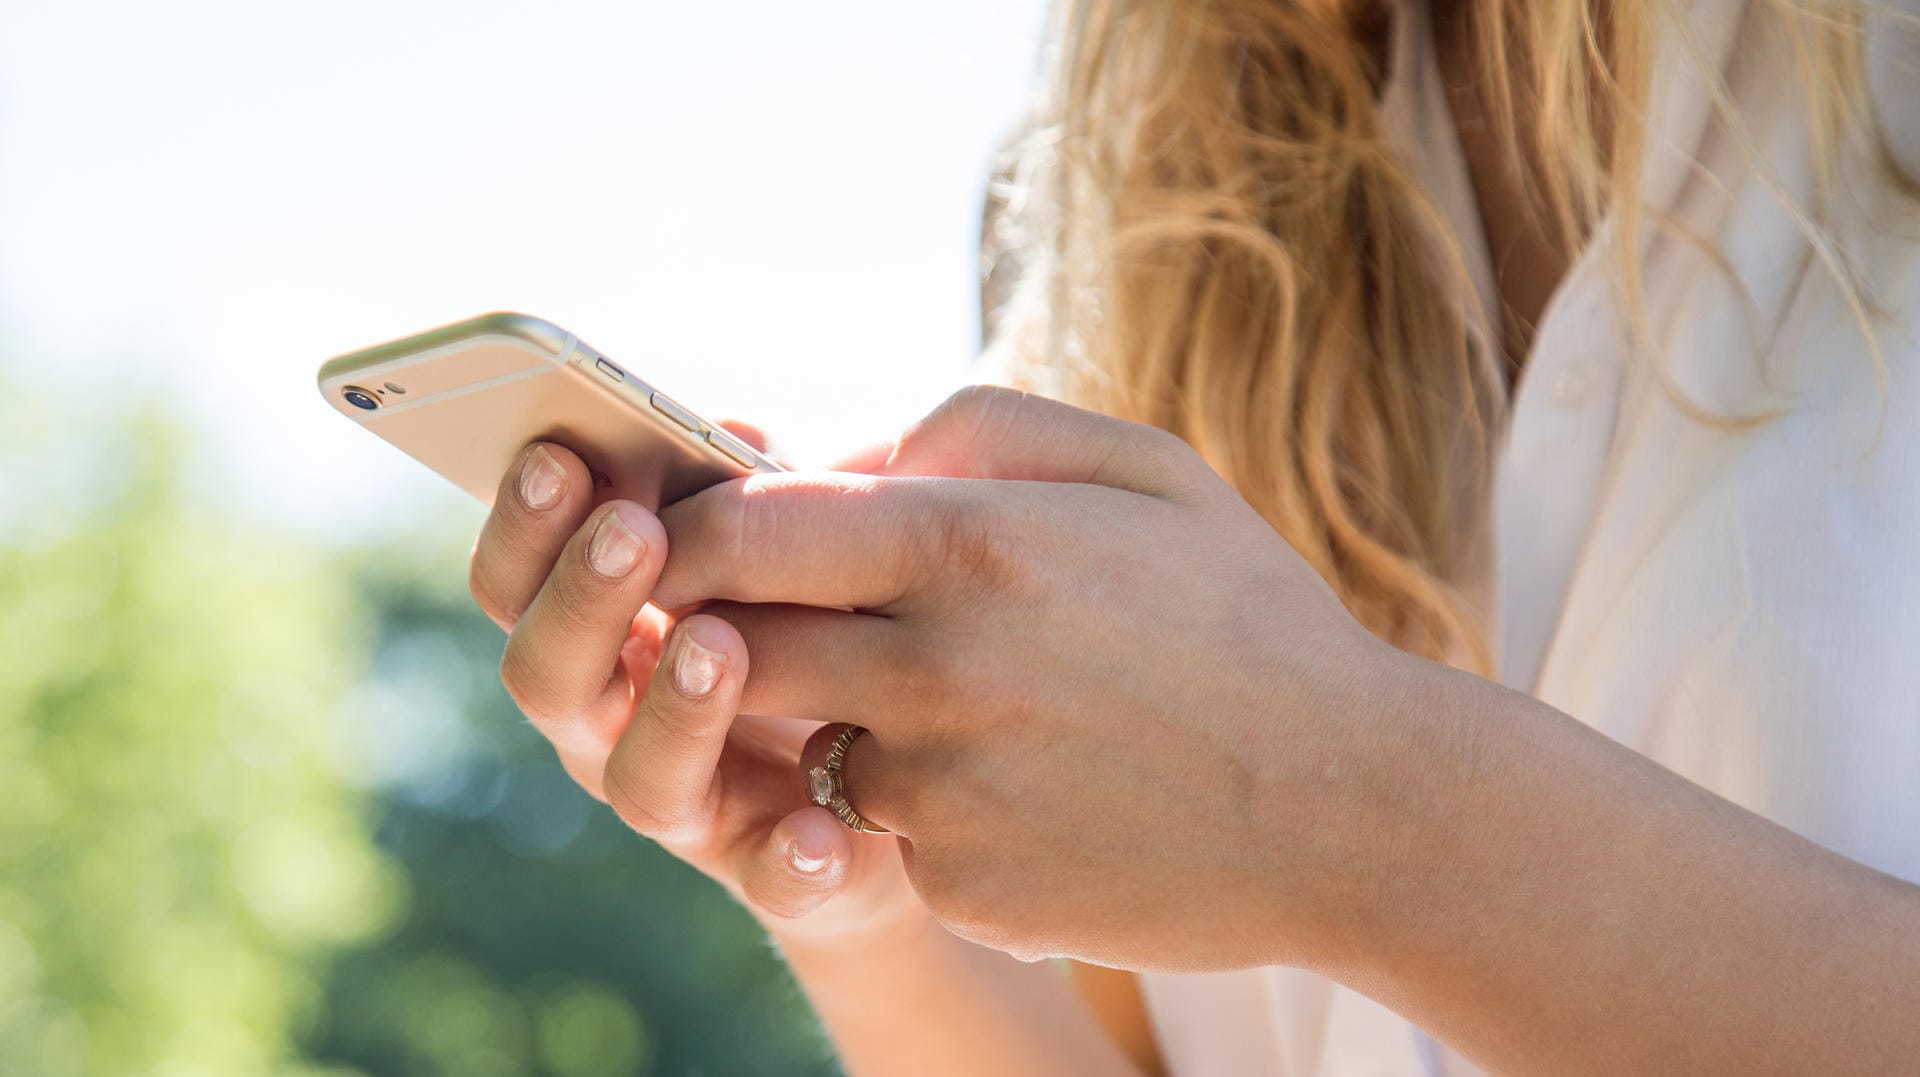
pixel 1565 904
pixel 926 1002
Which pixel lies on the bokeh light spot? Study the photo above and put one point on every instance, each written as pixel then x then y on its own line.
pixel 586 1030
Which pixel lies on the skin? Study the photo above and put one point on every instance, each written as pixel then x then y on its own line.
pixel 1240 776
pixel 1538 897
pixel 599 674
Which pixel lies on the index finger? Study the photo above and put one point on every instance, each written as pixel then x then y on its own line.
pixel 821 539
pixel 987 432
pixel 660 774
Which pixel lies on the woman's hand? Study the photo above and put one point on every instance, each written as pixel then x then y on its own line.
pixel 642 710
pixel 1112 714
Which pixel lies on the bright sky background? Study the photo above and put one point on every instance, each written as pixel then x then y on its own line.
pixel 768 209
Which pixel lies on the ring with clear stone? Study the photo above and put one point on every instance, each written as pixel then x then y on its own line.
pixel 827 784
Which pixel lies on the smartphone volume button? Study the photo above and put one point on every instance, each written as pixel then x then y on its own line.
pixel 681 416
pixel 731 449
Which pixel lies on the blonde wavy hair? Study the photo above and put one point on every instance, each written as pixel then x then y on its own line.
pixel 1215 237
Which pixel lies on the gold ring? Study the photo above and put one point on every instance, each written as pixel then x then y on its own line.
pixel 827 785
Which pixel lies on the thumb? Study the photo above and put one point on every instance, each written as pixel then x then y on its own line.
pixel 757 439
pixel 987 432
pixel 801 864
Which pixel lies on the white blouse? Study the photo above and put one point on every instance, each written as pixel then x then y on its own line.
pixel 1742 606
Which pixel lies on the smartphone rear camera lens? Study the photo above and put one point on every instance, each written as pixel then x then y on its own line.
pixel 361 399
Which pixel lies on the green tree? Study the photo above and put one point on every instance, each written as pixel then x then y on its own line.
pixel 543 936
pixel 264 809
pixel 175 849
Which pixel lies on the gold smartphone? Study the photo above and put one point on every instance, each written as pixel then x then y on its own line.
pixel 466 398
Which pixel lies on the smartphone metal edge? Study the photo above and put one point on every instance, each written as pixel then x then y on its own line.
pixel 558 348
pixel 545 337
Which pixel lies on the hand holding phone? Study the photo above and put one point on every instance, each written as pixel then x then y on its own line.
pixel 575 454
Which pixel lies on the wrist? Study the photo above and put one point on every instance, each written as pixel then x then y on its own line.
pixel 1371 799
pixel 852 966
pixel 1438 805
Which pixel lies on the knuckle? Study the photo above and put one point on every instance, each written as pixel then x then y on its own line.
pixel 1160 442
pixel 639 806
pixel 977 405
pixel 530 685
pixel 977 538
pixel 508 538
pixel 977 415
pixel 572 599
pixel 1175 455
pixel 756 520
pixel 483 594
pixel 674 724
pixel 717 523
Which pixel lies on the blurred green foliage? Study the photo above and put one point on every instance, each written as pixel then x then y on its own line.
pixel 264 810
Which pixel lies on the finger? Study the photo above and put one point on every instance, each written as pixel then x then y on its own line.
pixel 803 860
pixel 564 662
pixel 871 777
pixel 540 503
pixel 818 664
pixel 750 433
pixel 816 539
pixel 758 439
pixel 638 658
pixel 587 771
pixel 989 432
pixel 780 737
pixel 660 774
pixel 867 460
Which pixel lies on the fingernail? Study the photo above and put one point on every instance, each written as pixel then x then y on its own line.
pixel 807 862
pixel 541 478
pixel 697 670
pixel 616 545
